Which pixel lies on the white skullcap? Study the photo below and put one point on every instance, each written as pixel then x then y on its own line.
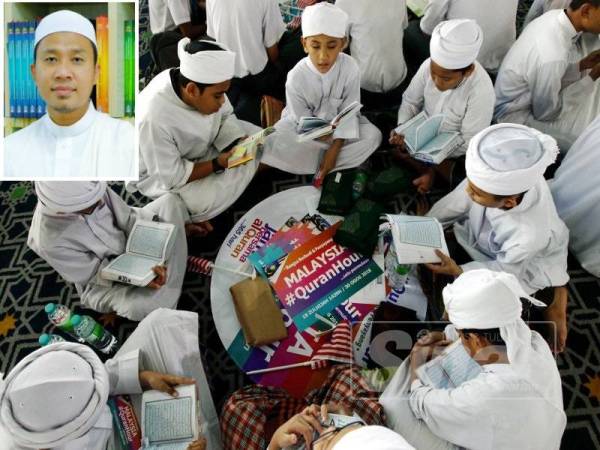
pixel 372 437
pixel 455 44
pixel 54 395
pixel 508 159
pixel 324 18
pixel 65 21
pixel 69 196
pixel 482 299
pixel 208 66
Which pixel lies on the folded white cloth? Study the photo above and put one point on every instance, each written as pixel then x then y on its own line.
pixel 208 66
pixel 455 44
pixel 69 196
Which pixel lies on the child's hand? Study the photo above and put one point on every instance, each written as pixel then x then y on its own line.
pixel 425 181
pixel 328 163
pixel 161 277
pixel 302 424
pixel 162 382
pixel 396 139
pixel 198 444
pixel 198 228
pixel 447 267
pixel 590 61
pixel 224 157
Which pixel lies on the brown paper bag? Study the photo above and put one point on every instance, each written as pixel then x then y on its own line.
pixel 257 312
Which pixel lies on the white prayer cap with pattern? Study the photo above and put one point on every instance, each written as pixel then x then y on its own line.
pixel 455 44
pixel 65 20
pixel 324 18
pixel 207 66
pixel 508 158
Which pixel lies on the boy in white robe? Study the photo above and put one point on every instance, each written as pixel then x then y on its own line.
pixel 497 19
pixel 187 129
pixel 577 197
pixel 322 85
pixel 548 79
pixel 78 227
pixel 173 15
pixel 375 34
pixel 72 139
pixel 504 217
pixel 451 83
pixel 515 402
pixel 62 389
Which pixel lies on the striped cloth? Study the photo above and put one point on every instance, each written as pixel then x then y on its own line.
pixel 199 265
pixel 338 349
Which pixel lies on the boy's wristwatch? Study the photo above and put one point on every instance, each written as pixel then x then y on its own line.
pixel 216 166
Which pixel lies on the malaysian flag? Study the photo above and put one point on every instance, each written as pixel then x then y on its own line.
pixel 199 265
pixel 338 349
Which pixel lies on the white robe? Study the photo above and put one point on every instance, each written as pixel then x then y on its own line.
pixel 577 197
pixel 540 7
pixel 97 146
pixel 167 342
pixel 173 136
pixel 375 34
pixel 309 93
pixel 167 15
pixel 247 28
pixel 539 83
pixel 529 241
pixel 496 18
pixel 497 410
pixel 78 246
pixel 467 109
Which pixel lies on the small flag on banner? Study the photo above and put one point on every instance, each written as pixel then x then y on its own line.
pixel 338 349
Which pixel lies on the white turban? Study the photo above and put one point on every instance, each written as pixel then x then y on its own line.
pixel 508 159
pixel 54 395
pixel 208 66
pixel 324 18
pixel 65 21
pixel 69 196
pixel 455 44
pixel 482 299
pixel 372 437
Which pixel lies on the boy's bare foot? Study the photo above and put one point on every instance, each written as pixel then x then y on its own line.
pixel 198 444
pixel 557 313
pixel 198 229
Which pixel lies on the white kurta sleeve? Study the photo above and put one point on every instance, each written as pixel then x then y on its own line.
pixel 351 93
pixel 453 206
pixel 161 156
pixel 230 128
pixel 413 99
pixel 180 11
pixel 273 25
pixel 435 12
pixel 295 103
pixel 536 10
pixel 123 372
pixel 546 86
pixel 478 116
pixel 73 265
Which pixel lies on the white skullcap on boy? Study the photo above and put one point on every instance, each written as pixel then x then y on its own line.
pixel 207 66
pixel 509 159
pixel 69 196
pixel 54 395
pixel 324 18
pixel 372 437
pixel 65 20
pixel 455 44
pixel 483 299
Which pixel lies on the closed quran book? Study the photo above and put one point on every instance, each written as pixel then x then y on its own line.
pixel 19 72
pixel 12 70
pixel 31 87
pixel 103 79
pixel 129 66
pixel 126 425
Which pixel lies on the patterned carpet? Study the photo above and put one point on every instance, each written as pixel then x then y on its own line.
pixel 27 283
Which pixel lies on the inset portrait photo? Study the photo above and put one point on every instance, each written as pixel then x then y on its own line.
pixel 69 91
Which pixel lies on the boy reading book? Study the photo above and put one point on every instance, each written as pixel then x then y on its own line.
pixel 451 83
pixel 322 85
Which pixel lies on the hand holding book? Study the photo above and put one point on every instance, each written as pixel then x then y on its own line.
pixel 447 266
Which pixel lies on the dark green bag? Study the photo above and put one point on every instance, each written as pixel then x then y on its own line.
pixel 388 183
pixel 336 193
pixel 360 229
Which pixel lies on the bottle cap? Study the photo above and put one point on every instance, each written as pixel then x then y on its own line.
pixel 44 339
pixel 49 308
pixel 75 319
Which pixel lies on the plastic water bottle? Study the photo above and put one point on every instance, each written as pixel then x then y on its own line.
pixel 61 317
pixel 47 339
pixel 397 273
pixel 359 184
pixel 94 334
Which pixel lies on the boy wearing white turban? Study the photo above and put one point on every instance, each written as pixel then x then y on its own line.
pixel 55 398
pixel 515 402
pixel 548 79
pixel 72 139
pixel 577 197
pixel 322 85
pixel 79 226
pixel 187 129
pixel 504 216
pixel 451 83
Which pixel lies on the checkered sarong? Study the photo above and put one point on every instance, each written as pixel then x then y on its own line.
pixel 254 412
